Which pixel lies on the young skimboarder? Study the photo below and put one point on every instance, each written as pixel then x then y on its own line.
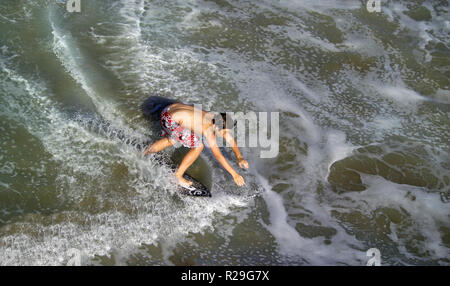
pixel 186 124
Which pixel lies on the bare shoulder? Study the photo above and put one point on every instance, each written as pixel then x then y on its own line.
pixel 179 105
pixel 207 117
pixel 180 109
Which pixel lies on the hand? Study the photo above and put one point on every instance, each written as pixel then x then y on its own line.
pixel 242 163
pixel 239 180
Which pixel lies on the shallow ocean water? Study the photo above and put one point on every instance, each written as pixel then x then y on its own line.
pixel 363 101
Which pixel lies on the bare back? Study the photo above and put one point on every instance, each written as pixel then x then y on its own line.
pixel 191 118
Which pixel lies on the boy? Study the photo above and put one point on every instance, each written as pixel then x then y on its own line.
pixel 184 123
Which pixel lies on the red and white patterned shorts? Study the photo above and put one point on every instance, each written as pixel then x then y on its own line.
pixel 177 132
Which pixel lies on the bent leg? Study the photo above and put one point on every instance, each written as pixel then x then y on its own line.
pixel 190 158
pixel 159 145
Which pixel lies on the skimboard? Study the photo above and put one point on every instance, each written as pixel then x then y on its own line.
pixel 198 173
pixel 197 189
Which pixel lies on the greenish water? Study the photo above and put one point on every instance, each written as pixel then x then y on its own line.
pixel 363 162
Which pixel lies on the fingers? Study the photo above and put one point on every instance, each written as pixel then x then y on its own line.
pixel 243 164
pixel 239 180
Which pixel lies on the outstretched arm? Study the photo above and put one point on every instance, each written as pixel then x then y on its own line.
pixel 159 145
pixel 229 138
pixel 209 134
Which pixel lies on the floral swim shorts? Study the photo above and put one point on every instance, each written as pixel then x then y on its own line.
pixel 177 132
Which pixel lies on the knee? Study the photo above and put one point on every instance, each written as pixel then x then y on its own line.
pixel 152 149
pixel 200 147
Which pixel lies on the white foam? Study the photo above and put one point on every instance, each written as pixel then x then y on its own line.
pixel 425 214
pixel 321 6
pixel 306 37
pixel 338 147
pixel 427 31
pixel 67 52
pixel 442 96
pixel 402 94
pixel 303 250
pixel 149 214
pixel 287 237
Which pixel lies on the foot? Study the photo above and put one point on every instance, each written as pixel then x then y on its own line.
pixel 183 182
